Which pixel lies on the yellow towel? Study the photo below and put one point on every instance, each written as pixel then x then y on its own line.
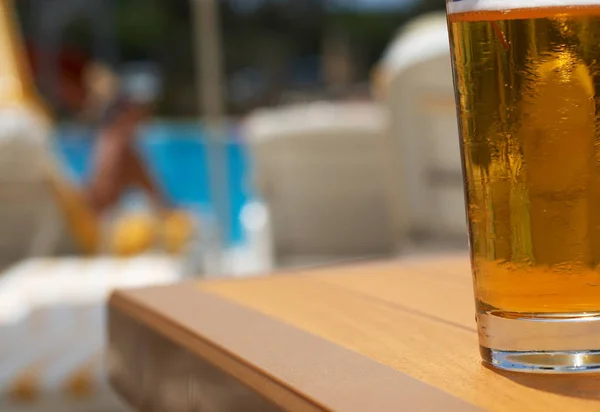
pixel 138 232
pixel 81 220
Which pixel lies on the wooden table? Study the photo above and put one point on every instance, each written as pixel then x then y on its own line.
pixel 368 337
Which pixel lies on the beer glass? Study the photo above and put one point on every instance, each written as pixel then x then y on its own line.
pixel 527 81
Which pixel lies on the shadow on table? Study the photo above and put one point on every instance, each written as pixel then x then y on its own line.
pixel 585 385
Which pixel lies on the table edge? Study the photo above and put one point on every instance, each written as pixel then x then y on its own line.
pixel 209 339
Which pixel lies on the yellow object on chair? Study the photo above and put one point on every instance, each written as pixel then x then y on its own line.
pixel 134 234
pixel 177 230
pixel 18 88
pixel 140 232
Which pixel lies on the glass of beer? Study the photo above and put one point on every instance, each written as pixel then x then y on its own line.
pixel 527 81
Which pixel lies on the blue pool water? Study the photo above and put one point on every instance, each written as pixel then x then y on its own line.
pixel 176 153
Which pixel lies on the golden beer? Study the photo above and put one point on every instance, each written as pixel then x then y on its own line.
pixel 527 83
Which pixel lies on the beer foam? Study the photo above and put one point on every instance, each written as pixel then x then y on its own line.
pixel 464 6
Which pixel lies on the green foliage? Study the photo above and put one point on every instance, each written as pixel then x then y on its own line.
pixel 141 24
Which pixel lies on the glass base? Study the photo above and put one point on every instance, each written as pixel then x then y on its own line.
pixel 543 362
pixel 548 342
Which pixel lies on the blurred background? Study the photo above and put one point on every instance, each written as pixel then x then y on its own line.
pixel 145 141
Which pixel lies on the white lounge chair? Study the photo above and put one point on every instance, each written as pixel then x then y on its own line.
pixel 321 169
pixel 30 220
pixel 414 79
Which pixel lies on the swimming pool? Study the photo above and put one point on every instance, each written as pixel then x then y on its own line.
pixel 176 153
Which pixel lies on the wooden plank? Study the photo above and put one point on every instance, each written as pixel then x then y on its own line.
pixel 443 292
pixel 418 344
pixel 294 369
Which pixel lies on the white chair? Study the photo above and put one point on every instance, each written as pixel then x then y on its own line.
pixel 52 329
pixel 321 169
pixel 414 80
pixel 29 215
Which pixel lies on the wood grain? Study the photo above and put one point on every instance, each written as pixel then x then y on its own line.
pixel 416 317
pixel 292 369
